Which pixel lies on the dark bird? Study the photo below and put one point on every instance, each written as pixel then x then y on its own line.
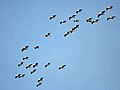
pixel 63 22
pixel 47 64
pixel 110 7
pixel 51 17
pixel 28 66
pixel 94 21
pixel 40 79
pixel 24 48
pixel 48 34
pixel 36 47
pixel 34 65
pixel 18 76
pixel 101 13
pixel 88 19
pixel 22 75
pixel 75 20
pixel 25 58
pixel 62 67
pixel 67 33
pixel 39 84
pixel 20 64
pixel 79 10
pixel 71 31
pixel 73 16
pixel 111 17
pixel 34 70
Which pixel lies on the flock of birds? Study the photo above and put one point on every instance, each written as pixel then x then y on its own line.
pixel 40 80
pixel 33 66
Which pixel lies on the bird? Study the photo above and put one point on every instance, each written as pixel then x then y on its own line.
pixel 36 47
pixel 17 76
pixel 24 48
pixel 61 67
pixel 22 75
pixel 28 66
pixel 25 58
pixel 47 65
pixel 71 31
pixel 20 64
pixel 39 84
pixel 51 17
pixel 48 34
pixel 75 20
pixel 40 79
pixel 79 10
pixel 109 7
pixel 101 13
pixel 63 22
pixel 67 33
pixel 34 70
pixel 73 16
pixel 34 65
pixel 88 19
pixel 94 21
pixel 111 17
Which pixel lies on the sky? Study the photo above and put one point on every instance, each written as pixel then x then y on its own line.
pixel 91 53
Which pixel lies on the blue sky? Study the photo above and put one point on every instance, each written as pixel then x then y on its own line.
pixel 91 53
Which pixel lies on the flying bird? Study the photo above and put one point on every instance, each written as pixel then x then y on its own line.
pixel 71 31
pixel 75 20
pixel 67 33
pixel 51 17
pixel 88 19
pixel 79 10
pixel 111 17
pixel 18 76
pixel 101 13
pixel 25 58
pixel 34 70
pixel 24 48
pixel 39 84
pixel 28 66
pixel 73 16
pixel 22 75
pixel 48 34
pixel 20 64
pixel 40 79
pixel 61 67
pixel 110 7
pixel 94 21
pixel 47 65
pixel 63 22
pixel 36 47
pixel 34 65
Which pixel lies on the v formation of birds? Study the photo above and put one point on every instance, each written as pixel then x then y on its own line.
pixel 35 65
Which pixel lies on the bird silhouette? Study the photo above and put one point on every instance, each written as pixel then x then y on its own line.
pixel 47 65
pixel 109 8
pixel 63 22
pixel 73 16
pixel 48 34
pixel 40 79
pixel 36 47
pixel 22 75
pixel 34 70
pixel 34 65
pixel 24 48
pixel 17 76
pixel 25 58
pixel 39 84
pixel 28 66
pixel 101 13
pixel 67 33
pixel 51 17
pixel 94 21
pixel 61 67
pixel 79 10
pixel 111 17
pixel 88 19
pixel 20 64
pixel 75 20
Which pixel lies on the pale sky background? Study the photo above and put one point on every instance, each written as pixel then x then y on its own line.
pixel 91 53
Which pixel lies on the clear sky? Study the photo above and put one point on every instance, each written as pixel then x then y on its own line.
pixel 91 53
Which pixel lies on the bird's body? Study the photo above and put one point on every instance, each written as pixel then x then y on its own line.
pixel 48 34
pixel 36 47
pixel 111 17
pixel 28 66
pixel 20 64
pixel 67 33
pixel 101 13
pixel 94 21
pixel 63 22
pixel 88 19
pixel 47 65
pixel 40 79
pixel 25 48
pixel 73 16
pixel 62 67
pixel 109 8
pixel 17 76
pixel 25 58
pixel 34 65
pixel 22 75
pixel 51 17
pixel 75 20
pixel 34 70
pixel 79 10
pixel 39 84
